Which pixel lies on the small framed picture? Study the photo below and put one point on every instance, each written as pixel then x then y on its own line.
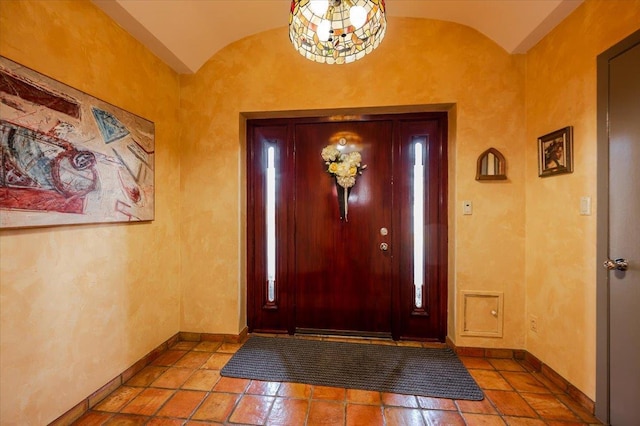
pixel 555 152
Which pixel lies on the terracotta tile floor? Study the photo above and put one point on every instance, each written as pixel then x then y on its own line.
pixel 184 387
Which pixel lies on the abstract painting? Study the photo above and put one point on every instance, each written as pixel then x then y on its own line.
pixel 69 158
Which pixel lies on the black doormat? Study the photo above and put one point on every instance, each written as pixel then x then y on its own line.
pixel 396 369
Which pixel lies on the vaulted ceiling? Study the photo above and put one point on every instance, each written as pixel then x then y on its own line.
pixel 186 33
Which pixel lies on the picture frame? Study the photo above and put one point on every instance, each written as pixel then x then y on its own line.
pixel 555 152
pixel 69 158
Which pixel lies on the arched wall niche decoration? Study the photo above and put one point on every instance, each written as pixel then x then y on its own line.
pixel 491 165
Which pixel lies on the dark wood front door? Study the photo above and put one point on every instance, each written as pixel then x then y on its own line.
pixel 342 277
pixel 313 268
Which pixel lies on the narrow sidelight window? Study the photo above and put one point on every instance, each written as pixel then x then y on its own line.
pixel 418 223
pixel 271 226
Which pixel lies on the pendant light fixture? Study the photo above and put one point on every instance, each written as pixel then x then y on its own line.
pixel 336 31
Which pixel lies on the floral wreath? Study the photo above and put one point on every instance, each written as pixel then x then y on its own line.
pixel 344 167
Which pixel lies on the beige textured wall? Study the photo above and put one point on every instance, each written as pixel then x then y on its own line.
pixel 560 244
pixel 421 62
pixel 80 304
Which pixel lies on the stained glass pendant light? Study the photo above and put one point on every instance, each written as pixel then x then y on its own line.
pixel 336 31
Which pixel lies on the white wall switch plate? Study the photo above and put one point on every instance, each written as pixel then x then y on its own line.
pixel 467 207
pixel 585 206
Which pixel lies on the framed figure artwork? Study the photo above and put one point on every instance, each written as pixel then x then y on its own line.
pixel 555 152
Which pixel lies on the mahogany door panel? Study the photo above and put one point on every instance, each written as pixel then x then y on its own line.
pixel 422 313
pixel 267 312
pixel 342 277
pixel 331 274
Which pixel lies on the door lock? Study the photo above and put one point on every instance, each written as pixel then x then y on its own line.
pixel 384 246
pixel 618 264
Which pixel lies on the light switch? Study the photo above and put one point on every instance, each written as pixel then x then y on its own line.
pixel 467 207
pixel 585 206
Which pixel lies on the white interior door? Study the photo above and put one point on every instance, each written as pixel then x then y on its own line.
pixel 623 258
pixel 624 237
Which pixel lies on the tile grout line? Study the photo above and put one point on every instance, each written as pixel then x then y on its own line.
pixel 344 401
pixel 539 417
pixel 550 392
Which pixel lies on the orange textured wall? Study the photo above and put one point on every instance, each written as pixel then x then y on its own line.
pixel 421 62
pixel 561 244
pixel 80 304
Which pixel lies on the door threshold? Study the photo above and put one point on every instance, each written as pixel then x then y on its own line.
pixel 348 334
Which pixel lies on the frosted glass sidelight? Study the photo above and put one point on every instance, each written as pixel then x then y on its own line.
pixel 418 225
pixel 271 225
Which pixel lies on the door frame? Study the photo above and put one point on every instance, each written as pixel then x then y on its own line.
pixel 602 247
pixel 443 112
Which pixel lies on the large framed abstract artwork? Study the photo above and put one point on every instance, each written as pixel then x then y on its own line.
pixel 69 158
